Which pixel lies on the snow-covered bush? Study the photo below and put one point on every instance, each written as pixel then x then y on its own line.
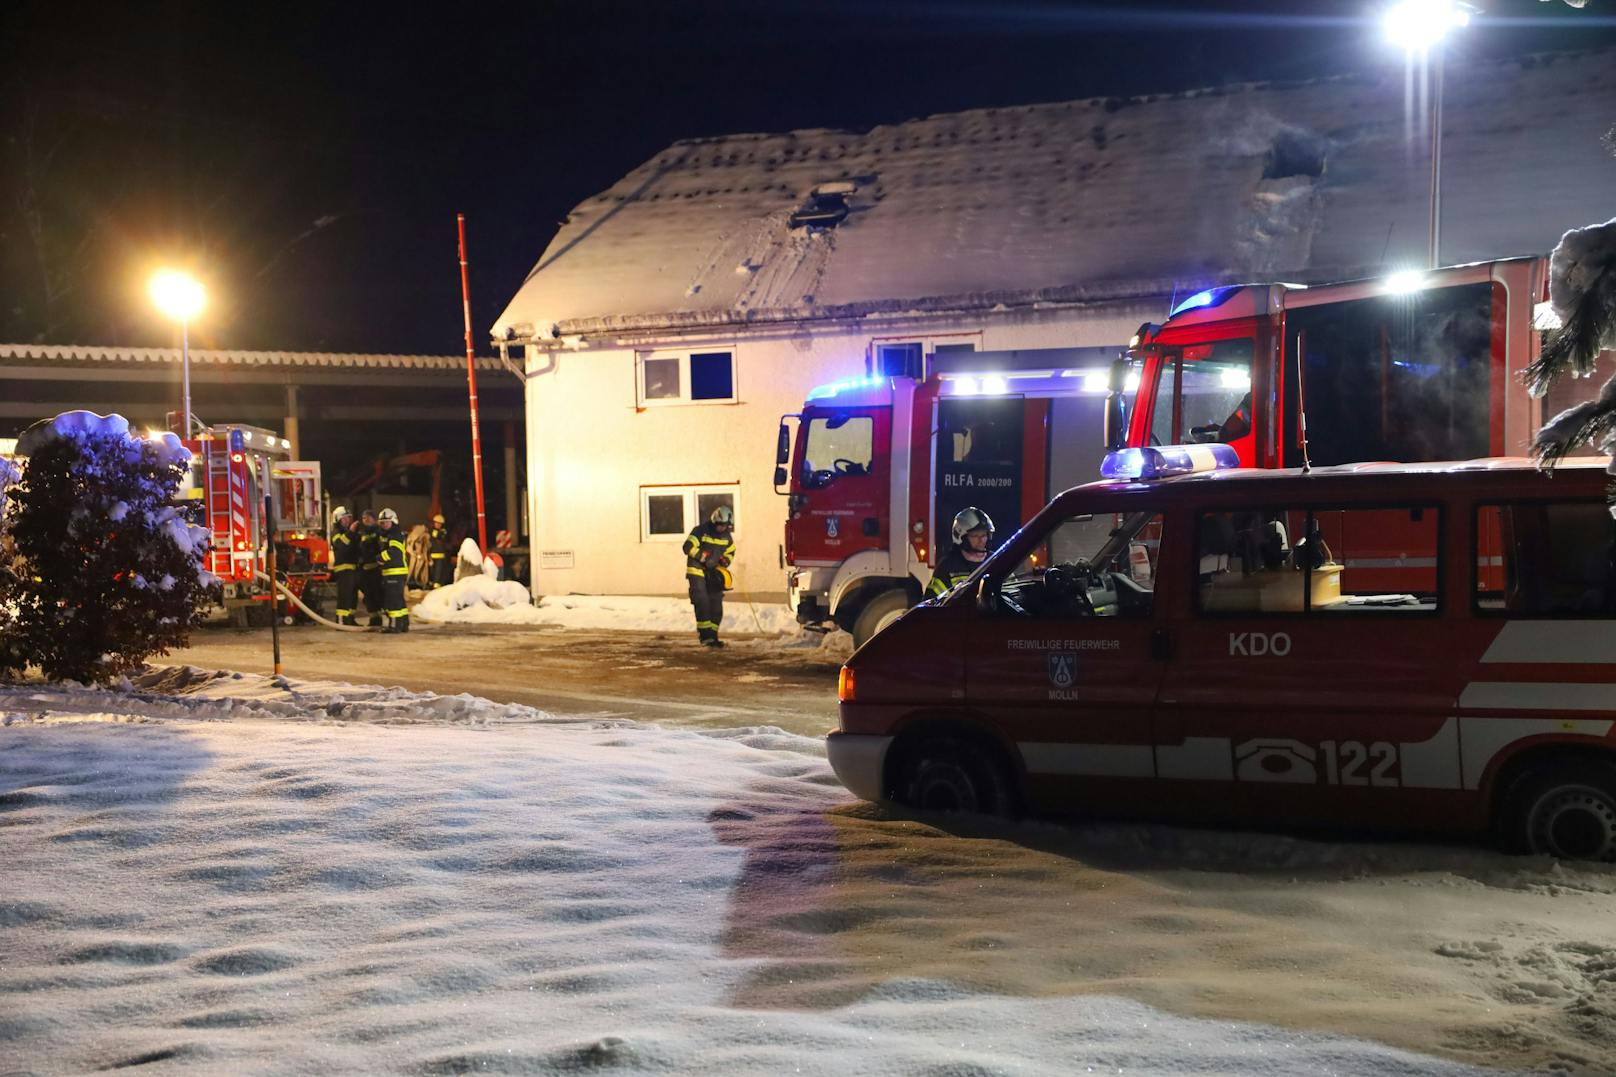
pixel 9 578
pixel 111 573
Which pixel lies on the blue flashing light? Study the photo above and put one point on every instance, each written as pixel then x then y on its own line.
pixel 825 392
pixel 1165 461
pixel 237 444
pixel 1211 297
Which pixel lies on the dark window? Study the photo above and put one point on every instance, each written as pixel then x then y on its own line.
pixel 706 503
pixel 712 376
pixel 1318 560
pixel 665 514
pixel 1545 559
pixel 1397 377
pixel 1092 565
pixel 899 360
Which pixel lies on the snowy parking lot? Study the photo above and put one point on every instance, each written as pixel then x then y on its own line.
pixel 227 872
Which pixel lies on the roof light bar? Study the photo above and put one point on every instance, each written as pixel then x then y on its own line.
pixel 1165 461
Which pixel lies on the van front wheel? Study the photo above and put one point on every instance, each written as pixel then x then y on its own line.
pixel 1566 810
pixel 948 775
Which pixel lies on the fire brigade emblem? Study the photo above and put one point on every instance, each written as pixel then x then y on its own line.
pixel 1062 670
pixel 832 528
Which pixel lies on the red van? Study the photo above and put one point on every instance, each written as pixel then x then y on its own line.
pixel 1196 642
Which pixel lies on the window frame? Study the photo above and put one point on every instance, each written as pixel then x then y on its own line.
pixel 691 493
pixel 1476 608
pixel 1192 568
pixel 684 399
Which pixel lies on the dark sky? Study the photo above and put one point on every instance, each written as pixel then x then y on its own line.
pixel 308 159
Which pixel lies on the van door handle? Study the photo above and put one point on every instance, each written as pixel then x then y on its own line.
pixel 1161 645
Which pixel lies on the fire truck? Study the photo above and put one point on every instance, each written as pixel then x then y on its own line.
pixel 877 467
pixel 232 469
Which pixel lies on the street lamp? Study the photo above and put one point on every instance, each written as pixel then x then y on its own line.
pixel 1418 27
pixel 180 297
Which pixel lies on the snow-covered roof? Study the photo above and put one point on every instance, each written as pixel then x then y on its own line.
pixel 73 353
pixel 1083 200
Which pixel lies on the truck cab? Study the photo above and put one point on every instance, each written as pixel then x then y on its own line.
pixel 1185 642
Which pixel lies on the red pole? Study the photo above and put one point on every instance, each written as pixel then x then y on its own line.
pixel 471 382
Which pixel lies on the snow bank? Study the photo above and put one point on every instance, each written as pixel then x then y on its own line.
pixel 303 894
pixel 483 600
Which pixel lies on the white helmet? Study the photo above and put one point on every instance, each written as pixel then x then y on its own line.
pixel 339 514
pixel 723 514
pixel 971 519
pixel 387 516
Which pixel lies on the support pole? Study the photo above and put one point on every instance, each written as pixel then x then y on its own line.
pixel 471 383
pixel 185 376
pixel 274 597
pixel 1436 161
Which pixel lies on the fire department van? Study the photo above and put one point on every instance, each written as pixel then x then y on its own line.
pixel 1180 642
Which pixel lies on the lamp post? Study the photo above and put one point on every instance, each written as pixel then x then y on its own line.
pixel 1418 27
pixel 181 298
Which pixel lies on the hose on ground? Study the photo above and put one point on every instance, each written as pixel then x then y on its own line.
pixel 281 587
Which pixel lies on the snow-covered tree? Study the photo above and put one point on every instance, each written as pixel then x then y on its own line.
pixel 112 573
pixel 1582 291
pixel 9 578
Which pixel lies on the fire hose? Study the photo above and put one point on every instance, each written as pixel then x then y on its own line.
pixel 282 588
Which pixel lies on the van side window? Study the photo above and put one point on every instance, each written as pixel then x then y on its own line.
pixel 1318 560
pixel 1545 559
pixel 1100 565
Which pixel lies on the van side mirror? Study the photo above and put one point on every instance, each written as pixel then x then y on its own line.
pixel 1116 426
pixel 782 448
pixel 779 477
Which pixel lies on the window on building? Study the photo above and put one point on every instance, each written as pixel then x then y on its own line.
pixel 907 358
pixel 669 513
pixel 1318 560
pixel 1545 559
pixel 706 377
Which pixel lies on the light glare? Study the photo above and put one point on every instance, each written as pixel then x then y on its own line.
pixel 178 296
pixel 1405 281
pixel 1418 25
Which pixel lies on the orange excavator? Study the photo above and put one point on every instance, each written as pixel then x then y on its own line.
pixel 382 467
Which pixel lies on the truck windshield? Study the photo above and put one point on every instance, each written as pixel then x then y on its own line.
pixel 837 445
pixel 1203 394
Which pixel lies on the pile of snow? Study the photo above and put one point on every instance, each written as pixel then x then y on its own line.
pixel 484 600
pixel 273 887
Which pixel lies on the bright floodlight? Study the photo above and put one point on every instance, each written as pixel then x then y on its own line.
pixel 1405 281
pixel 178 296
pixel 1418 25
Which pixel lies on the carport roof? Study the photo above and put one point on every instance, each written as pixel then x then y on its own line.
pixel 73 354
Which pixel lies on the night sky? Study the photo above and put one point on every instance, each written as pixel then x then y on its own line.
pixel 307 160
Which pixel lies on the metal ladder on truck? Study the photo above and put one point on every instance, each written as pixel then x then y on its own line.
pixel 216 495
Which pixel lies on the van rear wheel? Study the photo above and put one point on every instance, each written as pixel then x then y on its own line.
pixel 1566 810
pixel 882 610
pixel 944 774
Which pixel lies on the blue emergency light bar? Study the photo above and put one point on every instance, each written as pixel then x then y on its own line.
pixel 825 392
pixel 1165 461
pixel 1211 297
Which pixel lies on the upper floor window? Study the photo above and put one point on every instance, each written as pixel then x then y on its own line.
pixel 702 377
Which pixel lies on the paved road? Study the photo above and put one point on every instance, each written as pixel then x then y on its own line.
pixel 644 675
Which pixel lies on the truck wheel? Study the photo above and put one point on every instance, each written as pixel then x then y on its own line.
pixel 1566 810
pixel 948 775
pixel 883 609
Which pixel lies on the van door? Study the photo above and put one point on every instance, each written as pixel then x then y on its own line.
pixel 1294 697
pixel 1061 661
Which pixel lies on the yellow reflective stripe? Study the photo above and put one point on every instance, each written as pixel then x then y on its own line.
pixel 718 541
pixel 700 574
pixel 707 624
pixel 439 556
pixel 398 613
pixel 395 572
pixel 344 613
pixel 342 568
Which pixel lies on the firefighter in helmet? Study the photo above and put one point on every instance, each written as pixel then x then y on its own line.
pixel 709 550
pixel 370 567
pixel 394 568
pixel 345 563
pixel 973 534
pixel 441 571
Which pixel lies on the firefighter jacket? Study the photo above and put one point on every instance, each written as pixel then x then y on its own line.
pixel 439 538
pixel 392 557
pixel 344 550
pixel 951 571
pixel 370 546
pixel 708 554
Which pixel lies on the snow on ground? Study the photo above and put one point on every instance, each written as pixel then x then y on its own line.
pixel 224 873
pixel 483 600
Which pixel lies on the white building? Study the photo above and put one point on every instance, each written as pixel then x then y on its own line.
pixel 679 314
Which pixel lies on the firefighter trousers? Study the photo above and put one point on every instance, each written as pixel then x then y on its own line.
pixel 442 570
pixel 370 586
pixel 707 599
pixel 347 592
pixel 397 608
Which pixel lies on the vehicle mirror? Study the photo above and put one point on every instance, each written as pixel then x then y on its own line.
pixel 779 477
pixel 782 450
pixel 1115 426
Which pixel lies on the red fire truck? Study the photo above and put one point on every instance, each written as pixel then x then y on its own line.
pixel 1414 366
pixel 232 468
pixel 879 466
pixel 1229 671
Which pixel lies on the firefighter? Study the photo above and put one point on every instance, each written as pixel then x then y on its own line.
pixel 709 549
pixel 370 567
pixel 394 567
pixel 441 572
pixel 973 534
pixel 345 564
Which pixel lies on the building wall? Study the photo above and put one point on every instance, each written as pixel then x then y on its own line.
pixel 591 448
